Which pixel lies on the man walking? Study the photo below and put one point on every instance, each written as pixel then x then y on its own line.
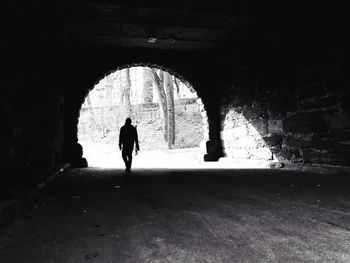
pixel 127 139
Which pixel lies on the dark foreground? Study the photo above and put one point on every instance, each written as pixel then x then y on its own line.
pixel 97 215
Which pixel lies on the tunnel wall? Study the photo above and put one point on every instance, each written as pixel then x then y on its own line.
pixel 31 101
pixel 243 131
pixel 301 115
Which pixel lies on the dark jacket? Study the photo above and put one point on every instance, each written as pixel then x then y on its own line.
pixel 127 137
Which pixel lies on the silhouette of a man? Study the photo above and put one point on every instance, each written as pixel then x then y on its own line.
pixel 127 139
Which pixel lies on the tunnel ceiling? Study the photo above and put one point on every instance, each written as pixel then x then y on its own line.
pixel 166 24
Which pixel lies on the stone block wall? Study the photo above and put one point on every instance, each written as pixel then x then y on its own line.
pixel 243 138
pixel 304 120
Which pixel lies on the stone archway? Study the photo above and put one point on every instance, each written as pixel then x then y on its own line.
pixel 88 65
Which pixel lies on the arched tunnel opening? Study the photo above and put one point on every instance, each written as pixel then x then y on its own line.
pixel 169 115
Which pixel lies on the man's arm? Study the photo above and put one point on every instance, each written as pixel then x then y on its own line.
pixel 136 139
pixel 120 138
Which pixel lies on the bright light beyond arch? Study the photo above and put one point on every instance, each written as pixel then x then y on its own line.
pixel 132 92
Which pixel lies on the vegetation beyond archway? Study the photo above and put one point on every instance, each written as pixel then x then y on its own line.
pixel 166 110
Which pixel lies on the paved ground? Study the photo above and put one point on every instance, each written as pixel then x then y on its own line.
pixel 109 156
pixel 99 215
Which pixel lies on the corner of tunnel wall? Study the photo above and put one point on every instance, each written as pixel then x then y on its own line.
pixel 212 143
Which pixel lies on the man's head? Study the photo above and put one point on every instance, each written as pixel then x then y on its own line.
pixel 128 121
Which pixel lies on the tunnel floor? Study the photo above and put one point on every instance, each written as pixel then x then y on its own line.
pixel 100 215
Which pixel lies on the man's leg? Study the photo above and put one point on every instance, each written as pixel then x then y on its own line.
pixel 125 158
pixel 129 161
